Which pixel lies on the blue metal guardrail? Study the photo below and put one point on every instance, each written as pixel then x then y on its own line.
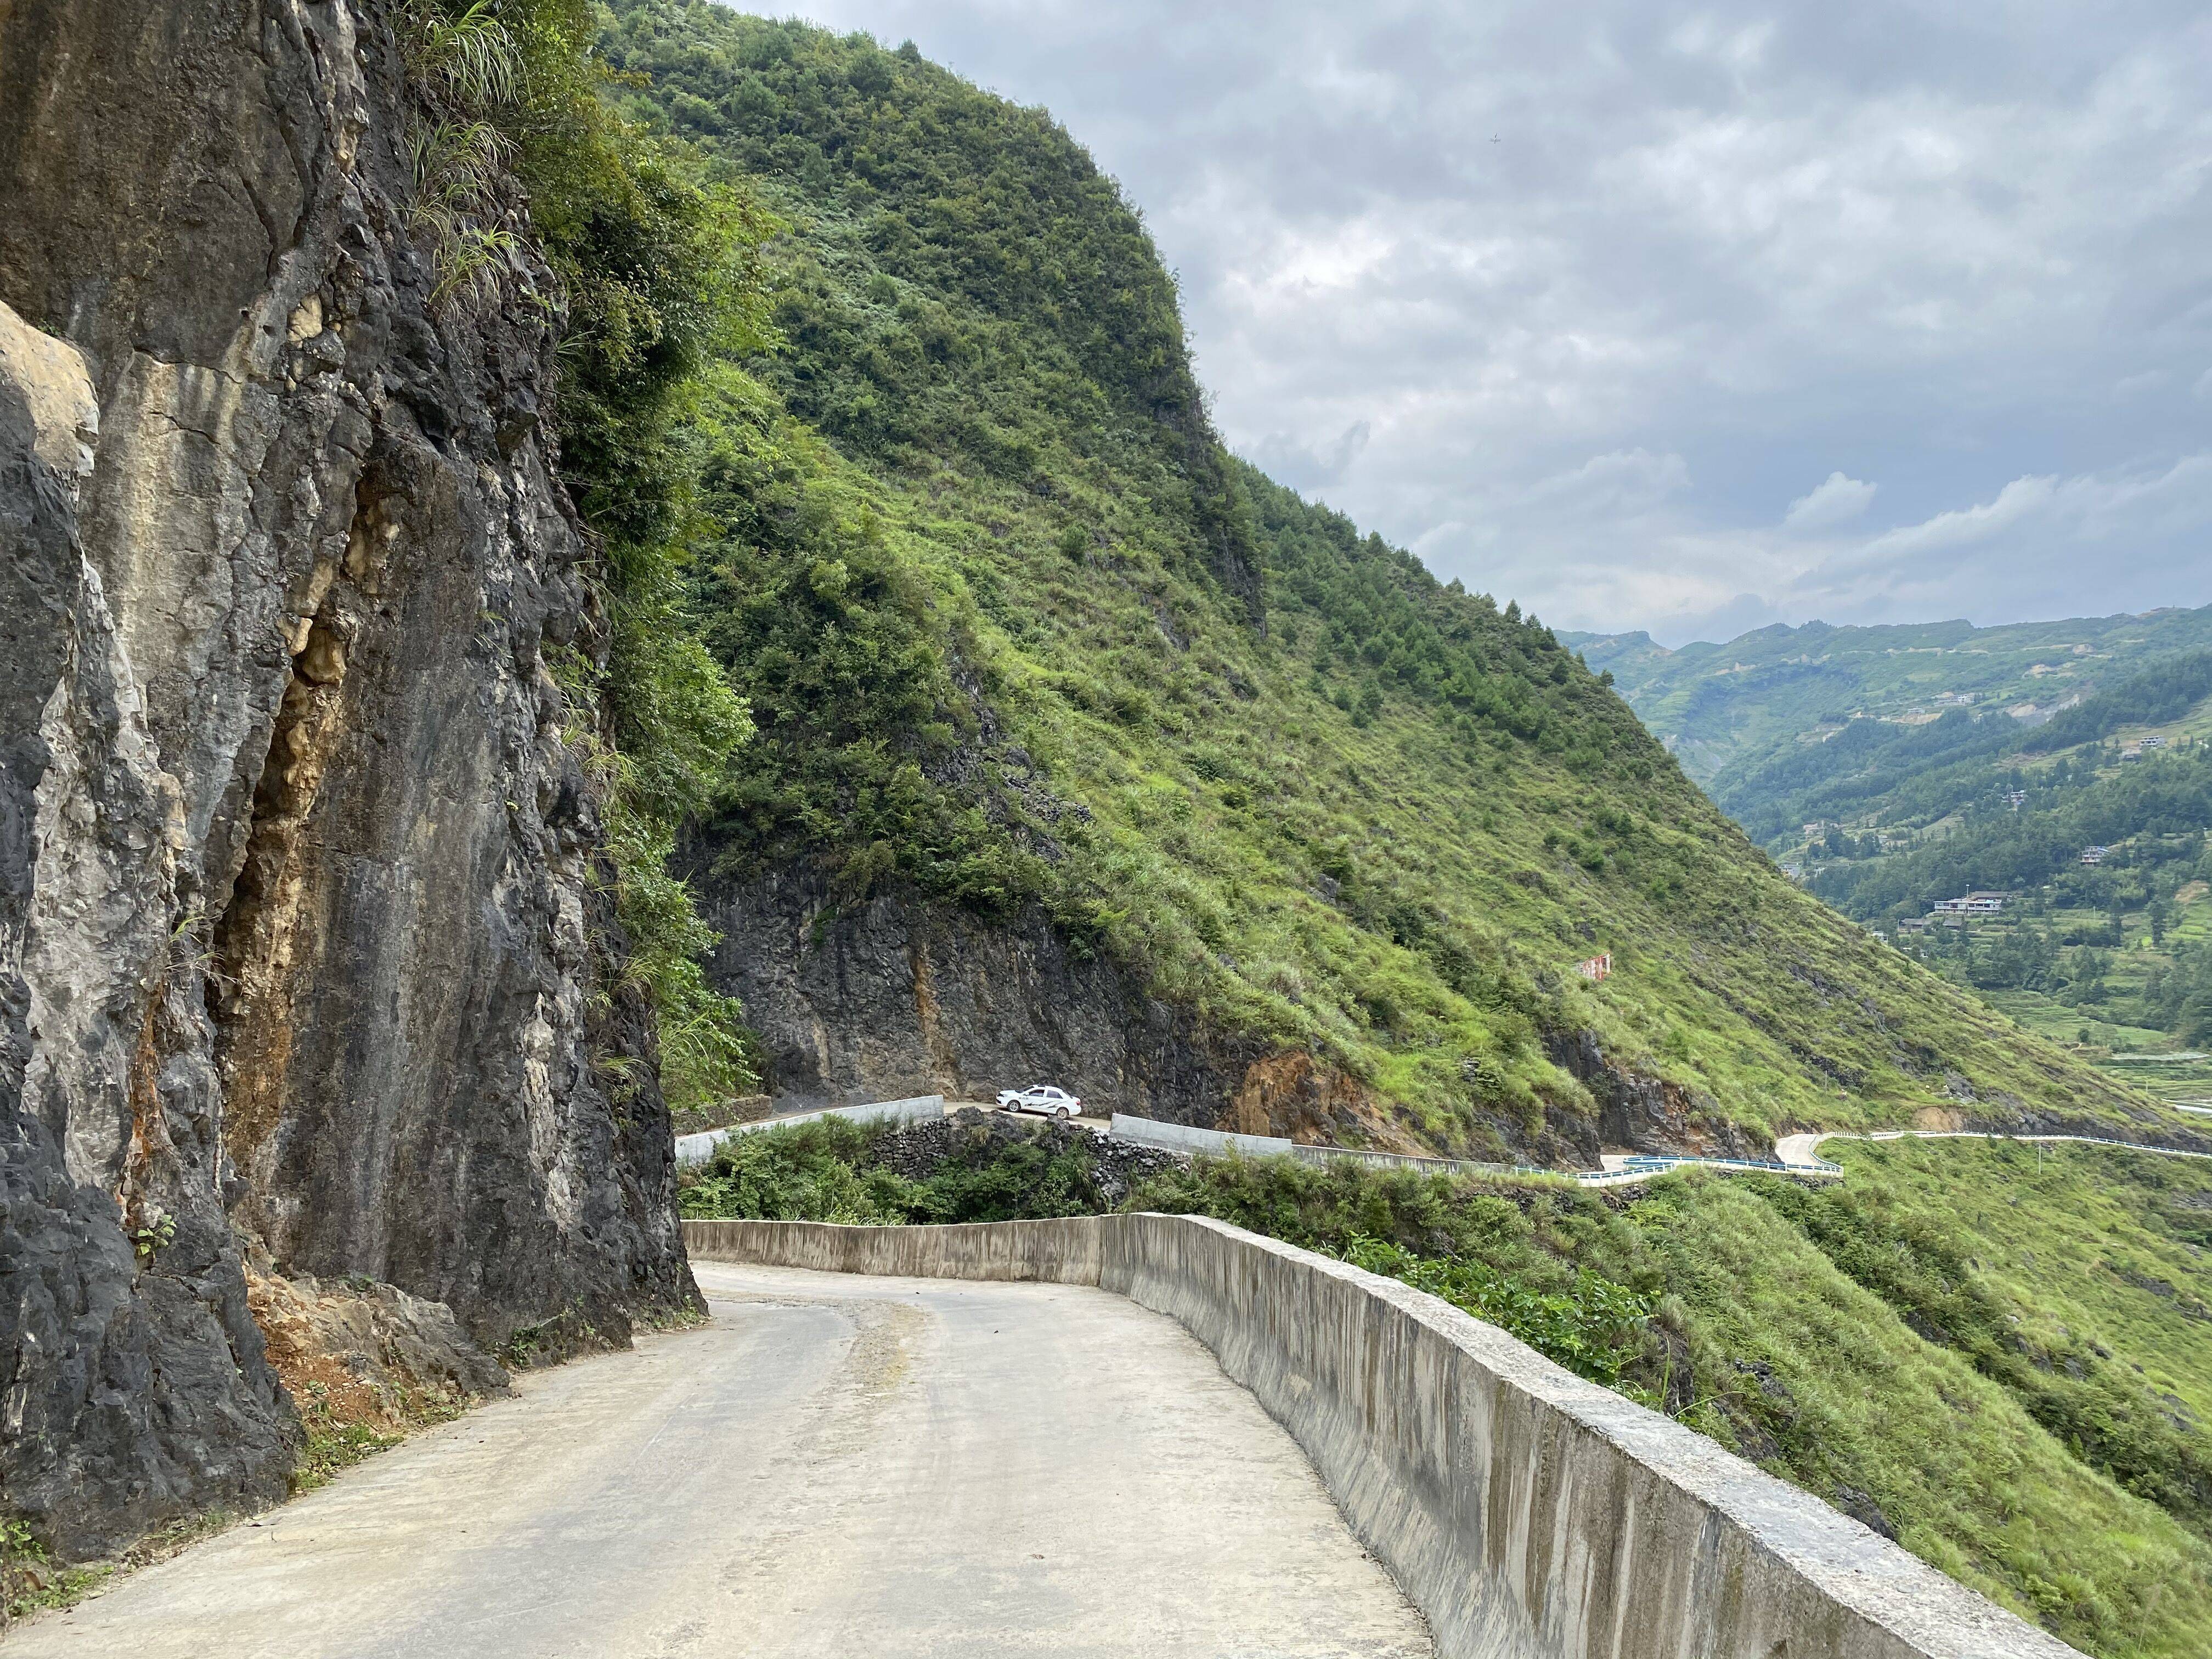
pixel 1645 1161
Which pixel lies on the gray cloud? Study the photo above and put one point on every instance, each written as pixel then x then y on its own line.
pixel 1306 467
pixel 1609 289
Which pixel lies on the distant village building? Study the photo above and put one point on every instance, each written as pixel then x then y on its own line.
pixel 1913 924
pixel 1597 968
pixel 1973 904
pixel 2154 742
pixel 2016 798
pixel 2131 754
pixel 2093 854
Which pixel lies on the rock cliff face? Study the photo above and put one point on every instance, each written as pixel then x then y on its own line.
pixel 900 997
pixel 1638 1113
pixel 303 931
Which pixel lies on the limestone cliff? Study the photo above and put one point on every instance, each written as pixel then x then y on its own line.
pixel 302 924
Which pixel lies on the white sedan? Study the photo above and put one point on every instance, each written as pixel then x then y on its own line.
pixel 1043 1098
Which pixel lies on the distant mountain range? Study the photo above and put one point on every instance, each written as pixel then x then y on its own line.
pixel 2067 765
pixel 1726 709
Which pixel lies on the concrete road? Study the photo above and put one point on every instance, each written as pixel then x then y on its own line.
pixel 853 1469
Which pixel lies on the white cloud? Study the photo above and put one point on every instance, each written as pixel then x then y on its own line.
pixel 1622 483
pixel 2016 501
pixel 1942 248
pixel 1836 501
pixel 1310 466
pixel 2057 544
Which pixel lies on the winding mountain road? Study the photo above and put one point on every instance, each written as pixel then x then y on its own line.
pixel 1805 1148
pixel 836 1467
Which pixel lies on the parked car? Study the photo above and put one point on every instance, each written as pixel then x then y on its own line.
pixel 1042 1098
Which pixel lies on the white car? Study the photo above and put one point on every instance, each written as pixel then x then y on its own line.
pixel 1043 1099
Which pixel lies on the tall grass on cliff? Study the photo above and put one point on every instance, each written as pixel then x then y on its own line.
pixel 660 278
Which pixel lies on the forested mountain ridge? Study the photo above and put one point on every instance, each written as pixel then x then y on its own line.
pixel 1727 710
pixel 2094 824
pixel 1082 748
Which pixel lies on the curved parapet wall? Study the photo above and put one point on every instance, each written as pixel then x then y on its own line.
pixel 917 1108
pixel 1529 1514
pixel 1067 1252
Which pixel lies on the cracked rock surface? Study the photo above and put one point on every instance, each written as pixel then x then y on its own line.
pixel 304 932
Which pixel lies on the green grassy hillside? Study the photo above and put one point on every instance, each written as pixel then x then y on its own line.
pixel 2003 1360
pixel 1731 708
pixel 1017 635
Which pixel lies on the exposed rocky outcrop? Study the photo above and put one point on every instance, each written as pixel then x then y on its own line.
pixel 897 996
pixel 1638 1113
pixel 302 924
pixel 130 1367
pixel 369 1354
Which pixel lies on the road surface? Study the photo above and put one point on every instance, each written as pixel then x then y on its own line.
pixel 1802 1148
pixel 852 1468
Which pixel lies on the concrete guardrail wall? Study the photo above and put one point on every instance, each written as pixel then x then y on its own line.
pixel 1529 1514
pixel 697 1149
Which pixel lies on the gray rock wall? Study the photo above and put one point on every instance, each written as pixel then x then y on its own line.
pixel 901 996
pixel 1529 1514
pixel 304 929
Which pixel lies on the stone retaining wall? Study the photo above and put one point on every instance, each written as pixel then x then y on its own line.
pixel 1526 1513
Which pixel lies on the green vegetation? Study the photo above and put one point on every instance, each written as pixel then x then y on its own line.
pixel 826 1170
pixel 2002 1358
pixel 31 1581
pixel 336 1441
pixel 1886 808
pixel 2117 953
pixel 1728 710
pixel 653 275
pixel 1017 636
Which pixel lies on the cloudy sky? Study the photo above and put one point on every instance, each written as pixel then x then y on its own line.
pixel 1689 319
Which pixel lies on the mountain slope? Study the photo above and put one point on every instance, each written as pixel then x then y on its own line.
pixel 1729 708
pixel 1084 749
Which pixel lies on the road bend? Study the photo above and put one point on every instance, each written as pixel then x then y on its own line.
pixel 834 1466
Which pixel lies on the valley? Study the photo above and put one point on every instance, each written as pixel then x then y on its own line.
pixel 2087 830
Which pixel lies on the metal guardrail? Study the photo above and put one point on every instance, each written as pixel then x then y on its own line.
pixel 1187 1138
pixel 1645 1161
